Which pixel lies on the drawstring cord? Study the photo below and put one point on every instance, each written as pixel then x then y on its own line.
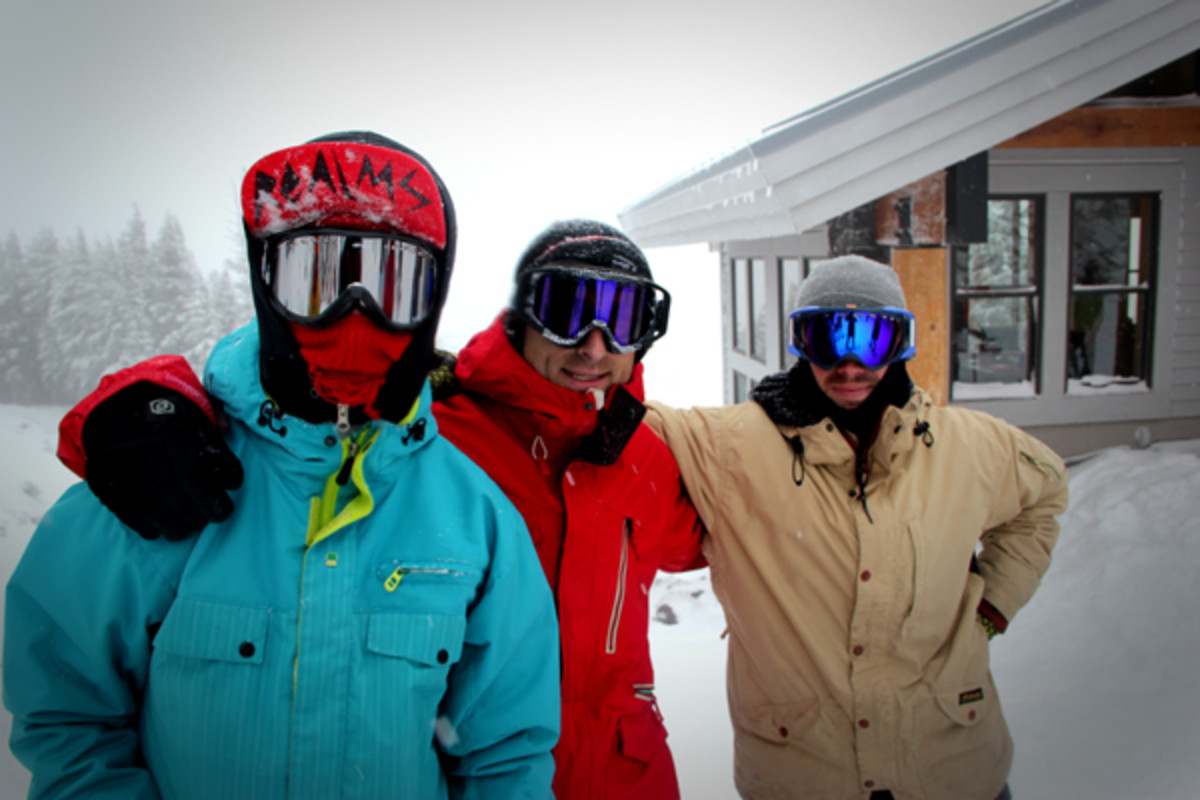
pixel 861 472
pixel 797 458
pixel 268 414
pixel 922 430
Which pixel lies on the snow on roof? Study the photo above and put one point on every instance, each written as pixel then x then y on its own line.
pixel 903 126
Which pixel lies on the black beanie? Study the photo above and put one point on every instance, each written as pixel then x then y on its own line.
pixel 584 241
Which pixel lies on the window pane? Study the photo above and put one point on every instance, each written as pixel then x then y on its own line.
pixel 741 305
pixel 741 388
pixel 1108 240
pixel 789 287
pixel 1108 336
pixel 1010 256
pixel 1114 240
pixel 993 340
pixel 758 308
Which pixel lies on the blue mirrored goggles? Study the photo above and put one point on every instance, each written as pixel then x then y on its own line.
pixel 317 276
pixel 565 305
pixel 874 337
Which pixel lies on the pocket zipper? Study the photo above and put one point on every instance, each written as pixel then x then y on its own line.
pixel 614 622
pixel 394 579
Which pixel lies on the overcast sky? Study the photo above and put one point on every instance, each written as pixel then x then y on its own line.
pixel 530 110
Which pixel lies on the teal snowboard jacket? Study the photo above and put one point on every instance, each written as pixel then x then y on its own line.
pixel 389 638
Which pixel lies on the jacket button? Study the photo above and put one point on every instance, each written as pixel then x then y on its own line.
pixel 971 714
pixel 864 723
pixel 783 731
pixel 868 783
pixel 330 441
pixel 442 657
pixel 246 649
pixel 829 427
pixel 852 493
pixel 866 575
pixel 858 650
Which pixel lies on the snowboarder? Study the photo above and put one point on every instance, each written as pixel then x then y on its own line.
pixel 367 619
pixel 844 512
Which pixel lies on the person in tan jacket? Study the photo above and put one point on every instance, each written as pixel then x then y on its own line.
pixel 865 545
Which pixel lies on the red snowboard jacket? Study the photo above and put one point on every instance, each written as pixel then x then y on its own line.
pixel 606 510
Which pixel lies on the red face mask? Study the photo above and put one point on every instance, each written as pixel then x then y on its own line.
pixel 349 360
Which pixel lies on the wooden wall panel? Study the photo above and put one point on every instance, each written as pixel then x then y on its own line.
pixel 925 221
pixel 922 272
pixel 1115 127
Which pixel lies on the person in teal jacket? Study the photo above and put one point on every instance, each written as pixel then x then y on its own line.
pixel 369 620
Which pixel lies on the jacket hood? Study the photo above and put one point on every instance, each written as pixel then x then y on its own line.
pixel 490 365
pixel 232 378
pixel 564 421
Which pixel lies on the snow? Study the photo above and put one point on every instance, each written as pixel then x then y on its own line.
pixel 1096 675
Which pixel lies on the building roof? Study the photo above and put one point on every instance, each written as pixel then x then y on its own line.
pixel 906 125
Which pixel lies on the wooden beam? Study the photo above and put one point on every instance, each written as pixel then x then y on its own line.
pixel 1091 126
pixel 922 272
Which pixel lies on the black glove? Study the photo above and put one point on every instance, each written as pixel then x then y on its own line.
pixel 158 462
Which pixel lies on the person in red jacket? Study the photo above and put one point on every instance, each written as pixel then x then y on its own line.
pixel 548 401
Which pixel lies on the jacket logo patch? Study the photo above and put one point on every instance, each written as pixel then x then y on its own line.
pixel 973 696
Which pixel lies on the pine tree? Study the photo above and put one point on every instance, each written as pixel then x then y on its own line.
pixel 177 298
pixel 230 304
pixel 131 329
pixel 24 316
pixel 11 265
pixel 76 325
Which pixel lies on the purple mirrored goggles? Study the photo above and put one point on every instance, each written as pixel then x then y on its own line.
pixel 566 304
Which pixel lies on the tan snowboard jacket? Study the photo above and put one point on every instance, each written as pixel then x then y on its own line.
pixel 856 662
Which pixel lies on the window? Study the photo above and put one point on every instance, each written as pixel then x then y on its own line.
pixel 791 273
pixel 741 387
pixel 1113 256
pixel 741 305
pixel 758 309
pixel 996 303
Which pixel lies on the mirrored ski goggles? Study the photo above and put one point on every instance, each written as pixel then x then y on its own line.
pixel 874 337
pixel 566 305
pixel 318 275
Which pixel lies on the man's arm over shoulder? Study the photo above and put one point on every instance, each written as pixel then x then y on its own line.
pixel 1016 553
pixel 500 718
pixel 695 437
pixel 79 613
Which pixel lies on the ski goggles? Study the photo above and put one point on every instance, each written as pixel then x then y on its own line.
pixel 316 276
pixel 874 337
pixel 565 305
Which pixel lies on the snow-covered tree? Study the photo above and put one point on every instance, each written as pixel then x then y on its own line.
pixel 76 324
pixel 22 317
pixel 131 328
pixel 177 302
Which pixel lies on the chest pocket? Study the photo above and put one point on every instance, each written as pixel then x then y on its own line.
pixel 210 631
pixel 430 640
pixel 409 656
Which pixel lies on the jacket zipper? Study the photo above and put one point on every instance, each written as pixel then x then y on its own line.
pixel 394 579
pixel 614 622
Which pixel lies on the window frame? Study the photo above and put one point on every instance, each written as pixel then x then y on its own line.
pixel 1057 174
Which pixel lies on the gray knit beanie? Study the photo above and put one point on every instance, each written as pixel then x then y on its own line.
pixel 851 281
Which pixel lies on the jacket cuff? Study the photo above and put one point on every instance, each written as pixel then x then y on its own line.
pixel 989 612
pixel 171 372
